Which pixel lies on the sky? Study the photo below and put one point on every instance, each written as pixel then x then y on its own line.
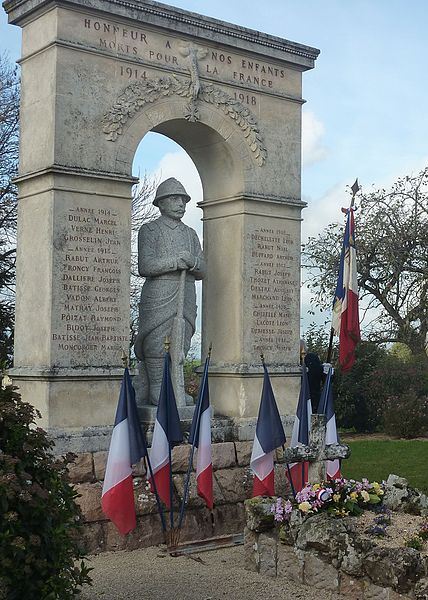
pixel 365 114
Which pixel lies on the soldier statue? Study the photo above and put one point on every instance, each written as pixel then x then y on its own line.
pixel 170 259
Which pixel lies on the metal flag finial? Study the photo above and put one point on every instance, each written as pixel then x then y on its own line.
pixel 167 344
pixel 124 359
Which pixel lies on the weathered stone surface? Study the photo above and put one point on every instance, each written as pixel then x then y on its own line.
pixel 250 549
pixel 267 553
pixel 351 587
pixel 148 532
pixel 259 514
pixel 282 485
pixel 193 500
pixel 318 573
pixel 197 525
pixel 82 469
pixel 93 538
pixel 89 501
pixel 229 518
pixel 421 589
pixel 375 592
pixel 397 568
pixel 145 501
pixel 223 455
pixel 180 458
pixel 100 462
pixel 235 484
pixel 322 533
pixel 243 453
pixel 289 563
pixel 396 481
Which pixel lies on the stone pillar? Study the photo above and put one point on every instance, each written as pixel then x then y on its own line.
pixel 72 311
pixel 257 298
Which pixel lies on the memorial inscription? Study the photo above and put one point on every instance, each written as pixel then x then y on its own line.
pixel 274 289
pixel 91 275
pixel 166 52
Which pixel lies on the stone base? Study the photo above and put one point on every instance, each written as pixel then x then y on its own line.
pixel 232 486
pixel 97 439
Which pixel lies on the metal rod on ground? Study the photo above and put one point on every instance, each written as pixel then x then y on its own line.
pixel 192 452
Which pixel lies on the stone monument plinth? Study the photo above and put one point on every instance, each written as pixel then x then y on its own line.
pixel 97 75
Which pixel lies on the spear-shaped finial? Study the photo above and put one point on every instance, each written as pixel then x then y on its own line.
pixel 354 189
pixel 124 359
pixel 262 357
pixel 167 344
pixel 210 349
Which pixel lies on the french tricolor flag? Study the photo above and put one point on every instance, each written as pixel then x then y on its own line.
pixel 298 472
pixel 345 322
pixel 166 434
pixel 269 436
pixel 326 406
pixel 127 447
pixel 200 436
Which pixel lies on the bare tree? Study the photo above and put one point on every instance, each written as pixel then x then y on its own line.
pixel 9 152
pixel 392 261
pixel 143 211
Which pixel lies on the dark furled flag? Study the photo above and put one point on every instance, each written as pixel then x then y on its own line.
pixel 166 434
pixel 345 322
pixel 269 436
pixel 127 447
pixel 301 428
pixel 326 406
pixel 200 436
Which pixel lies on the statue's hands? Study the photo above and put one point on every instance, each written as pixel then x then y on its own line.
pixel 185 260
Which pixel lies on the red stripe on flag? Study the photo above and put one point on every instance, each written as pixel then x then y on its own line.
pixel 299 475
pixel 118 505
pixel 205 486
pixel 337 475
pixel 162 480
pixel 264 487
pixel 349 332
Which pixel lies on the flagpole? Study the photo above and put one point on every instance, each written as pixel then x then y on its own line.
pixel 354 188
pixel 168 400
pixel 192 452
pixel 146 459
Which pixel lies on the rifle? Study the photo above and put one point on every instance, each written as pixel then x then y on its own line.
pixel 177 344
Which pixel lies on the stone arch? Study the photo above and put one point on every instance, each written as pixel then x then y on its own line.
pixel 215 144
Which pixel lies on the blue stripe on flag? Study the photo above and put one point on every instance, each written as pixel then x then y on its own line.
pixel 269 430
pixel 167 413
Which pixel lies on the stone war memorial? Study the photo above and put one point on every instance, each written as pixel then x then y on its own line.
pixel 97 76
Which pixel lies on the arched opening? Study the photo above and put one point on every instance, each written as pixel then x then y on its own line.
pixel 157 158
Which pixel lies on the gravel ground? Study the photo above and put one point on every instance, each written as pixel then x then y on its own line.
pixel 149 574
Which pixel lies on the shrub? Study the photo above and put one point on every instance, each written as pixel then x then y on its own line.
pixel 406 415
pixel 40 556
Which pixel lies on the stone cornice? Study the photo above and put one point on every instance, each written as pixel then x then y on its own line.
pixel 182 21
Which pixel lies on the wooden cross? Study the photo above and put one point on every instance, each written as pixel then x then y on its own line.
pixel 317 452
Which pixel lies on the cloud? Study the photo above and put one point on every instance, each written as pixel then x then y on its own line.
pixel 313 131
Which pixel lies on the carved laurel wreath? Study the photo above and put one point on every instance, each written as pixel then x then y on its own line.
pixel 138 94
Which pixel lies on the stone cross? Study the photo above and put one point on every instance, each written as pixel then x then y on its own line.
pixel 317 452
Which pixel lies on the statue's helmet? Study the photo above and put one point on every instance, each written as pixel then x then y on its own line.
pixel 170 187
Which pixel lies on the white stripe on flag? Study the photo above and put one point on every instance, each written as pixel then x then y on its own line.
pixel 204 458
pixel 118 463
pixel 159 452
pixel 261 463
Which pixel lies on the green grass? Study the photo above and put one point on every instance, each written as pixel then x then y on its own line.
pixel 378 458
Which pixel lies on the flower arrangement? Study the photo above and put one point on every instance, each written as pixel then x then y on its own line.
pixel 339 497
